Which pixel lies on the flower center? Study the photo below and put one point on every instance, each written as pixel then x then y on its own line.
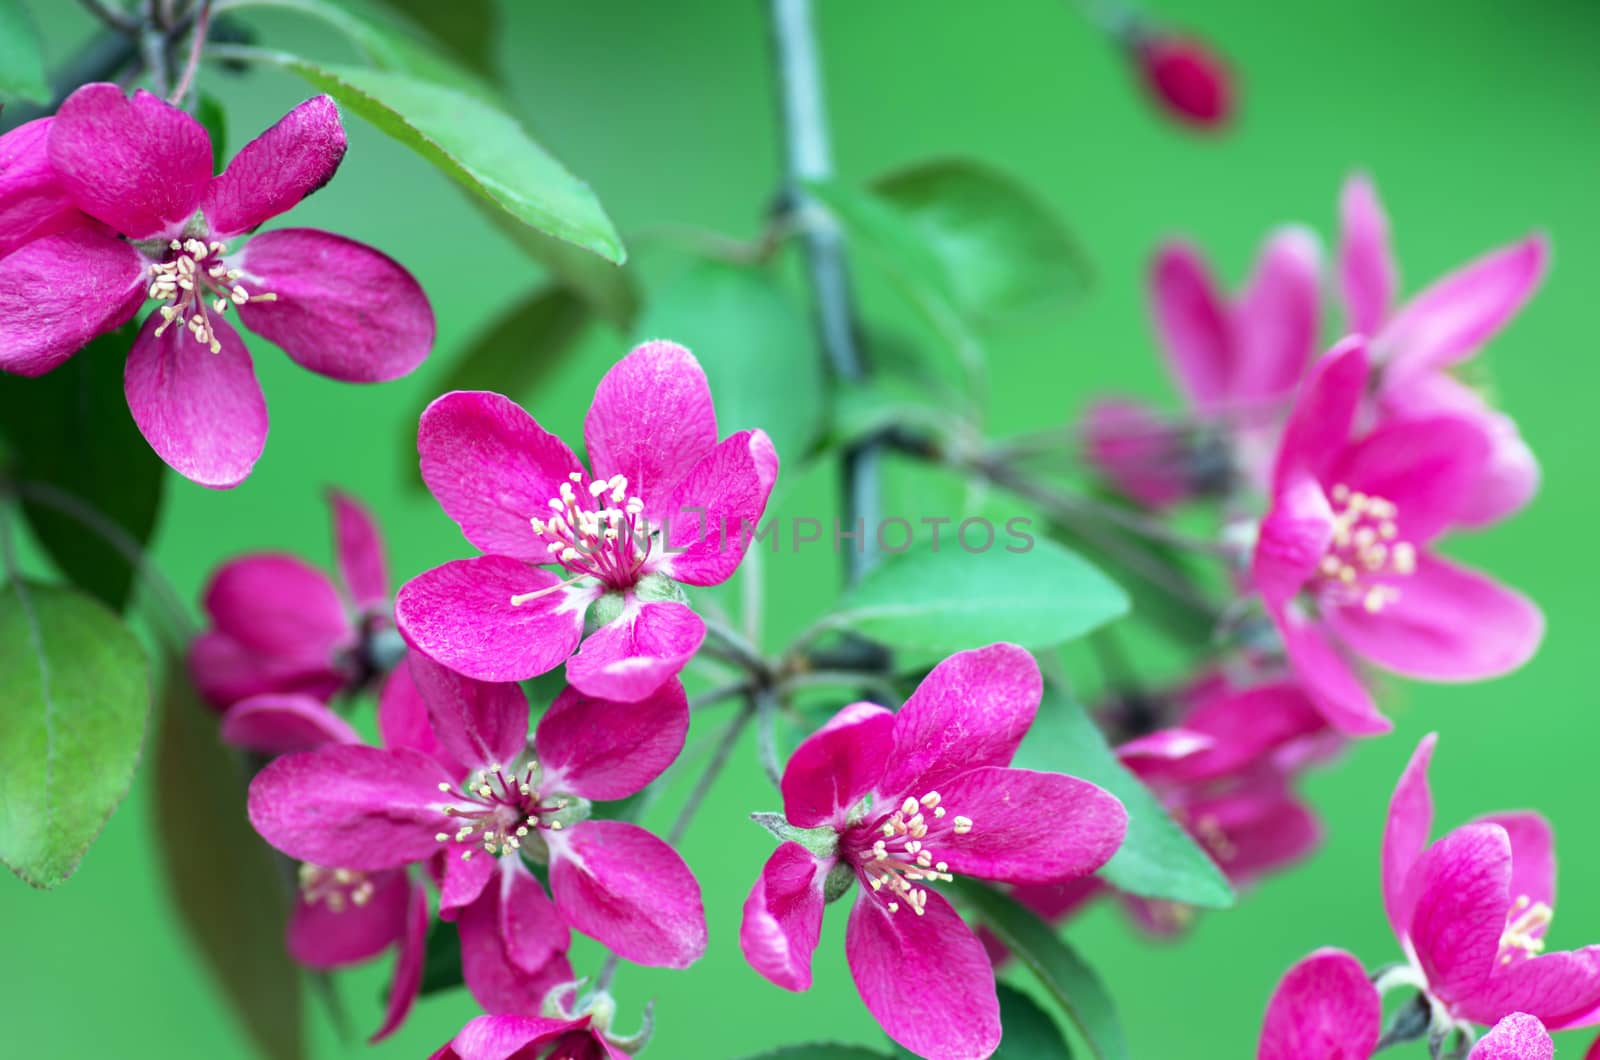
pixel 595 531
pixel 338 889
pixel 501 808
pixel 901 855
pixel 1365 551
pixel 1525 926
pixel 196 272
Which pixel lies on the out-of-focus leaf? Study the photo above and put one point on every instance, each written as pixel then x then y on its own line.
pixel 611 291
pixel 1028 1032
pixel 473 141
pixel 1004 250
pixel 818 1051
pixel 71 430
pixel 441 963
pixel 467 28
pixel 755 345
pixel 21 56
pixel 210 114
pixel 229 889
pixel 74 696
pixel 1066 978
pixel 1157 859
pixel 936 601
pixel 879 403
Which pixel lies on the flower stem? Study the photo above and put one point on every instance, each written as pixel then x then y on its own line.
pixel 197 42
pixel 114 17
pixel 766 705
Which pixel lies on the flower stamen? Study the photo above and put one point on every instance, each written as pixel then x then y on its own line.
pixel 184 285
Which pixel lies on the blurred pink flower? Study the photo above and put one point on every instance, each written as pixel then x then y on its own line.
pixel 1325 1008
pixel 1188 79
pixel 503 1037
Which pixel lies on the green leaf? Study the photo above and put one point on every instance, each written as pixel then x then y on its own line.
pixel 71 431
pixel 76 696
pixel 230 889
pixel 1004 250
pixel 1158 859
pixel 818 1051
pixel 755 345
pixel 441 961
pixel 945 599
pixel 467 28
pixel 1070 982
pixel 870 407
pixel 211 115
pixel 611 292
pixel 474 142
pixel 1028 1031
pixel 21 56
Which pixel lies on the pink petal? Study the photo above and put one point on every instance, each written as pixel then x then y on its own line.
pixel 403 719
pixel 343 309
pixel 277 604
pixel 505 1037
pixel 277 169
pixel 1425 467
pixel 479 723
pixel 406 982
pixel 1262 827
pixel 1450 320
pixel 1006 842
pixel 714 511
pixel 1164 746
pixel 532 930
pixel 492 468
pixel 783 917
pixel 620 885
pixel 602 749
pixel 1325 1008
pixel 1533 856
pixel 494 982
pixel 359 547
pixel 463 879
pixel 59 292
pixel 1194 324
pixel 461 615
pixel 1367 274
pixel 1323 414
pixel 972 710
pixel 1292 539
pixel 1561 989
pixel 349 805
pixel 140 165
pixel 1517 1037
pixel 651 421
pixel 1234 729
pixel 323 938
pixel 837 766
pixel 633 655
pixel 1134 448
pixel 226 671
pixel 1459 894
pixel 1421 633
pixel 278 724
pixel 33 204
pixel 1405 835
pixel 1278 320
pixel 925 979
pixel 1327 677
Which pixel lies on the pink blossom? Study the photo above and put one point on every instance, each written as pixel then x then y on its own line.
pixel 1344 558
pixel 666 503
pixel 504 1037
pixel 147 219
pixel 895 801
pixel 1190 81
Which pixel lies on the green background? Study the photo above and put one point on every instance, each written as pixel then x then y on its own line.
pixel 1480 122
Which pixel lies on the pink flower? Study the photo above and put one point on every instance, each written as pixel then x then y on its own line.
pixel 150 221
pixel 897 801
pixel 666 503
pixel 1189 81
pixel 1446 324
pixel 280 626
pixel 503 1037
pixel 1344 559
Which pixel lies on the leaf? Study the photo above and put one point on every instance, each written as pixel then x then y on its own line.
pixel 755 345
pixel 1066 978
pixel 1158 859
pixel 441 961
pixel 861 410
pixel 610 291
pixel 818 1051
pixel 467 28
pixel 21 56
pixel 474 142
pixel 76 695
pixel 227 886
pixel 1004 249
pixel 944 599
pixel 71 430
pixel 1028 1031
pixel 211 115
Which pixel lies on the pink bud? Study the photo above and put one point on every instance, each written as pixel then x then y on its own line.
pixel 1190 81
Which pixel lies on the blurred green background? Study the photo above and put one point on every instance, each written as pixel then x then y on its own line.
pixel 1480 120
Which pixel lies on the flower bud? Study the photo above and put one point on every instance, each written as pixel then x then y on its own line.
pixel 1189 81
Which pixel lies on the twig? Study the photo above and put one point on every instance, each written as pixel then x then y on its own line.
pixel 197 42
pixel 729 645
pixel 118 20
pixel 717 695
pixel 887 695
pixel 765 701
pixel 719 759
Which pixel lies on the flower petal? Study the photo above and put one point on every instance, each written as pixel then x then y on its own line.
pixel 406 981
pixel 714 511
pixel 277 169
pixel 531 928
pixel 633 655
pixel 602 749
pixel 504 1037
pixel 343 309
pixel 651 421
pixel 461 615
pixel 1278 320
pixel 359 548
pixel 1459 894
pixel 494 982
pixel 1327 676
pixel 925 979
pixel 467 870
pixel 837 766
pixel 1227 732
pixel 1425 467
pixel 492 467
pixel 1006 841
pixel 620 885
pixel 1325 1008
pixel 1561 989
pixel 279 724
pixel 58 292
pixel 33 204
pixel 1367 274
pixel 1292 539
pixel 277 604
pixel 1135 449
pixel 1261 825
pixel 972 710
pixel 140 165
pixel 1533 857
pixel 783 916
pixel 1405 835
pixel 403 719
pixel 1324 413
pixel 1194 324
pixel 479 723
pixel 226 671
pixel 1422 633
pixel 322 937
pixel 1517 1037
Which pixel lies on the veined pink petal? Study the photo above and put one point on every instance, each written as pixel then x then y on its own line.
pixel 651 421
pixel 58 292
pixel 140 165
pixel 505 1037
pixel 1561 989
pixel 202 412
pixel 1366 263
pixel 1324 413
pixel 1327 676
pixel 602 749
pixel 461 615
pixel 1517 1037
pixel 1425 467
pixel 783 916
pixel 1448 623
pixel 925 979
pixel 1137 451
pixel 972 710
pixel 1533 857
pixel 406 981
pixel 837 766
pixel 279 724
pixel 343 309
pixel 277 169
pixel 631 656
pixel 479 723
pixel 1292 539
pixel 403 719
pixel 492 468
pixel 1006 841
pixel 1277 324
pixel 529 926
pixel 1405 835
pixel 1194 324
pixel 495 983
pixel 1325 1008
pixel 1459 892
pixel 463 880
pixel 619 884
pixel 359 548
pixel 33 204
pixel 713 512
pixel 1227 732
pixel 277 604
pixel 322 937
